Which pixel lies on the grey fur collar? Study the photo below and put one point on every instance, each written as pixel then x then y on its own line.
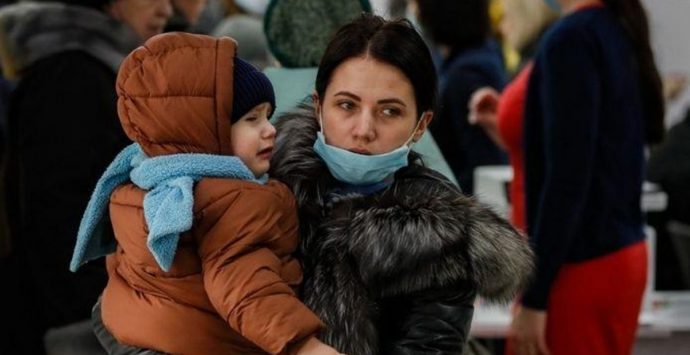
pixel 32 31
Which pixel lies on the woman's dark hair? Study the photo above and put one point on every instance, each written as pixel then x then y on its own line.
pixel 99 5
pixel 633 18
pixel 455 23
pixel 392 42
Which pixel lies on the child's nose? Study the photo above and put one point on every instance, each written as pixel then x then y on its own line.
pixel 269 130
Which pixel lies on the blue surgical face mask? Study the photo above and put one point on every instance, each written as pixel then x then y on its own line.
pixel 554 5
pixel 361 169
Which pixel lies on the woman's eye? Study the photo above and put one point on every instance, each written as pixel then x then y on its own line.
pixel 391 112
pixel 346 105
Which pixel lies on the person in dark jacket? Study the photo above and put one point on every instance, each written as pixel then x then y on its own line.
pixel 470 60
pixel 393 253
pixel 63 131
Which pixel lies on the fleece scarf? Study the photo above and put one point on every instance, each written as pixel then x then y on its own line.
pixel 168 203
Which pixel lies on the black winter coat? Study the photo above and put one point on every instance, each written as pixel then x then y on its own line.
pixel 63 131
pixel 395 272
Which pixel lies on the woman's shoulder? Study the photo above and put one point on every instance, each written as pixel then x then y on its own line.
pixel 431 235
pixel 578 28
pixel 425 180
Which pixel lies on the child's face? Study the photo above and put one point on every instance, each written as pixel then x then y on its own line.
pixel 252 139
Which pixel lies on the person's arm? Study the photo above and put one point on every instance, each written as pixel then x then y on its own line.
pixel 570 96
pixel 242 276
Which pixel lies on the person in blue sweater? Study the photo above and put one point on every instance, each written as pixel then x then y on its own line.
pixel 471 60
pixel 593 101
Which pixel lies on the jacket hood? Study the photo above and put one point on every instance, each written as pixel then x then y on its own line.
pixel 175 94
pixel 31 31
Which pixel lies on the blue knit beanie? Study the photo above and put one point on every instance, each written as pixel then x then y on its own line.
pixel 250 87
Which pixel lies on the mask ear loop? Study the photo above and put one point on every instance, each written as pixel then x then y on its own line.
pixel 321 122
pixel 409 141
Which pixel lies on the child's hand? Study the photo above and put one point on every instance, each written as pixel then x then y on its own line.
pixel 313 346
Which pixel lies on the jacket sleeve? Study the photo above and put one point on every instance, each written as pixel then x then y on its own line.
pixel 570 101
pixel 243 276
pixel 438 322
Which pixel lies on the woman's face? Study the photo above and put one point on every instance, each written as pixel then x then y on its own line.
pixel 146 17
pixel 369 108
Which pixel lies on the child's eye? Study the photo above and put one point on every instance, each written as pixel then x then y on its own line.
pixel 251 118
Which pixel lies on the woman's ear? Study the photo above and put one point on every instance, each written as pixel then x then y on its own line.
pixel 424 121
pixel 317 105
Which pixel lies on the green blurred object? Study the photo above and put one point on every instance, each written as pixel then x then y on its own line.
pixel 292 86
pixel 299 30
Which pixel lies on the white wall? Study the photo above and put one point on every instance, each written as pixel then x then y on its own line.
pixel 670 26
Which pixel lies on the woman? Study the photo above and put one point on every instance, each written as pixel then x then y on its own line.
pixel 63 131
pixel 594 99
pixel 393 253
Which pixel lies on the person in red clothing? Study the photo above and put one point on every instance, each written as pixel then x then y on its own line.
pixel 594 99
pixel 501 114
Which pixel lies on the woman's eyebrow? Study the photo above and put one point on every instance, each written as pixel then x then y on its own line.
pixel 392 101
pixel 348 94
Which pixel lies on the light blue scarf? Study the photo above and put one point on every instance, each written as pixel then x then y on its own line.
pixel 168 203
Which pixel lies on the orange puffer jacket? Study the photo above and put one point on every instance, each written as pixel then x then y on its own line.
pixel 231 287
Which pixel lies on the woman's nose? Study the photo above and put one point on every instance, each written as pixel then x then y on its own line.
pixel 364 127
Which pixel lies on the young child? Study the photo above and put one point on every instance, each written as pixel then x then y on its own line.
pixel 202 261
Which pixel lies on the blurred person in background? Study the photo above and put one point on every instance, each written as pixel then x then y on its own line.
pixel 186 15
pixel 501 115
pixel 246 27
pixel 470 60
pixel 63 131
pixel 594 99
pixel 5 90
